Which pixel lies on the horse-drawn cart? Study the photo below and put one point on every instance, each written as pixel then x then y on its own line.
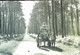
pixel 43 37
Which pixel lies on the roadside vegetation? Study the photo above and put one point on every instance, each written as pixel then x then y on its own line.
pixel 12 26
pixel 9 46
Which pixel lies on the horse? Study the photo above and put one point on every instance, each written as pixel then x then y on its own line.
pixel 43 37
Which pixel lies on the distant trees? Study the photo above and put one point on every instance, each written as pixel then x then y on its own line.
pixel 39 14
pixel 12 21
pixel 61 16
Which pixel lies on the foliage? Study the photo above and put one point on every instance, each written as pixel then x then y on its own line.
pixel 76 42
pixel 77 52
pixel 38 16
pixel 9 47
pixel 42 12
pixel 71 41
pixel 12 21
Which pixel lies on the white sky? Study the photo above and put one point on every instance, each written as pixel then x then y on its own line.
pixel 27 7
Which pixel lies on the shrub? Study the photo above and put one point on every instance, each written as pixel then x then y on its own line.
pixel 77 52
pixel 67 40
pixel 8 47
pixel 59 40
pixel 76 42
pixel 19 38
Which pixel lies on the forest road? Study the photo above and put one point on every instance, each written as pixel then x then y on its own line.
pixel 29 47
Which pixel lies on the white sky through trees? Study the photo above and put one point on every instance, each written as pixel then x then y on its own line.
pixel 27 7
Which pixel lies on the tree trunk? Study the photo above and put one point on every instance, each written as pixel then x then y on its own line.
pixel 56 29
pixel 77 17
pixel 49 24
pixel 62 19
pixel 3 18
pixel 0 18
pixel 72 19
pixel 64 22
pixel 11 22
pixel 53 19
pixel 45 11
pixel 67 24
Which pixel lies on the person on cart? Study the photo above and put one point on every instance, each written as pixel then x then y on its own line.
pixel 43 27
pixel 44 30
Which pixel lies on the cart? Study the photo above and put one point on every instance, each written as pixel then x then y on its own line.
pixel 43 37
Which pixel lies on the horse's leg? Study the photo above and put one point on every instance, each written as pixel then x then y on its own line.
pixel 44 42
pixel 39 43
pixel 54 43
pixel 49 43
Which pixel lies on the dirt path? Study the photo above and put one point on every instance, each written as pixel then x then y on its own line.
pixel 28 47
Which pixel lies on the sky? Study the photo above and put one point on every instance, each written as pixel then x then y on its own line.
pixel 27 7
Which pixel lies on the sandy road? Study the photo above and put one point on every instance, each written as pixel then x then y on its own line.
pixel 29 47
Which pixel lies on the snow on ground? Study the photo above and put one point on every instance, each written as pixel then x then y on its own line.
pixel 30 48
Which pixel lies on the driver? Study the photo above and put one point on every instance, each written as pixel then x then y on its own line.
pixel 43 27
pixel 44 30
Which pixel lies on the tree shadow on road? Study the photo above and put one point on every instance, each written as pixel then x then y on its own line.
pixel 47 48
pixel 44 48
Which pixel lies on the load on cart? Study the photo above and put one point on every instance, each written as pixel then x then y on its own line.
pixel 43 36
